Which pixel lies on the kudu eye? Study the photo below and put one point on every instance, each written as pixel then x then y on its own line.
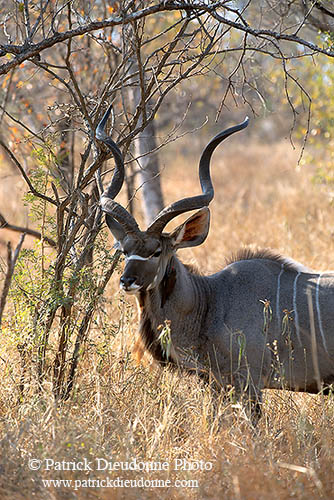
pixel 157 253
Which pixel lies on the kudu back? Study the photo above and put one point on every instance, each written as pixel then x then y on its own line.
pixel 264 321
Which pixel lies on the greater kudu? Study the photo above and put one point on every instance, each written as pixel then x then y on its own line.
pixel 264 321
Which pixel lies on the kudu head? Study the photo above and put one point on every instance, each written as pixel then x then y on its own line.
pixel 148 253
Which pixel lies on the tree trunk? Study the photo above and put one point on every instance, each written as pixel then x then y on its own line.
pixel 149 174
pixel 147 162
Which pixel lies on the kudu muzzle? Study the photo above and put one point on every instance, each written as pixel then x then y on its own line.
pixel 139 273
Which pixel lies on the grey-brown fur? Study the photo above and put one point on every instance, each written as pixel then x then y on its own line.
pixel 249 253
pixel 220 310
pixel 248 325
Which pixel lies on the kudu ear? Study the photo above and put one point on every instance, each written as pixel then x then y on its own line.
pixel 193 231
pixel 115 228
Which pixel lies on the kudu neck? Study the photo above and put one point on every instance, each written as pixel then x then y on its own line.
pixel 180 287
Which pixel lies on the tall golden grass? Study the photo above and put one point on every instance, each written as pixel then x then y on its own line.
pixel 122 411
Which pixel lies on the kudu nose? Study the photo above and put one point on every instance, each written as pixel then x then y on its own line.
pixel 127 281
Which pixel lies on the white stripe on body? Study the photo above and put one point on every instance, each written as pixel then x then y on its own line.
pixel 317 301
pixel 278 298
pixel 295 307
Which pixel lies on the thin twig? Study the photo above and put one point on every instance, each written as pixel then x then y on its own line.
pixel 11 261
pixel 26 230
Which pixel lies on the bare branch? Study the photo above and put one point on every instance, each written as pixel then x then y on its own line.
pixel 22 53
pixel 18 229
pixel 24 175
pixel 11 261
pixel 323 9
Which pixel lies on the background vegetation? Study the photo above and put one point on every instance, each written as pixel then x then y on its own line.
pixel 70 385
pixel 122 410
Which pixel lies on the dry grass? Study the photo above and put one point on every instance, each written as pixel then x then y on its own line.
pixel 120 411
